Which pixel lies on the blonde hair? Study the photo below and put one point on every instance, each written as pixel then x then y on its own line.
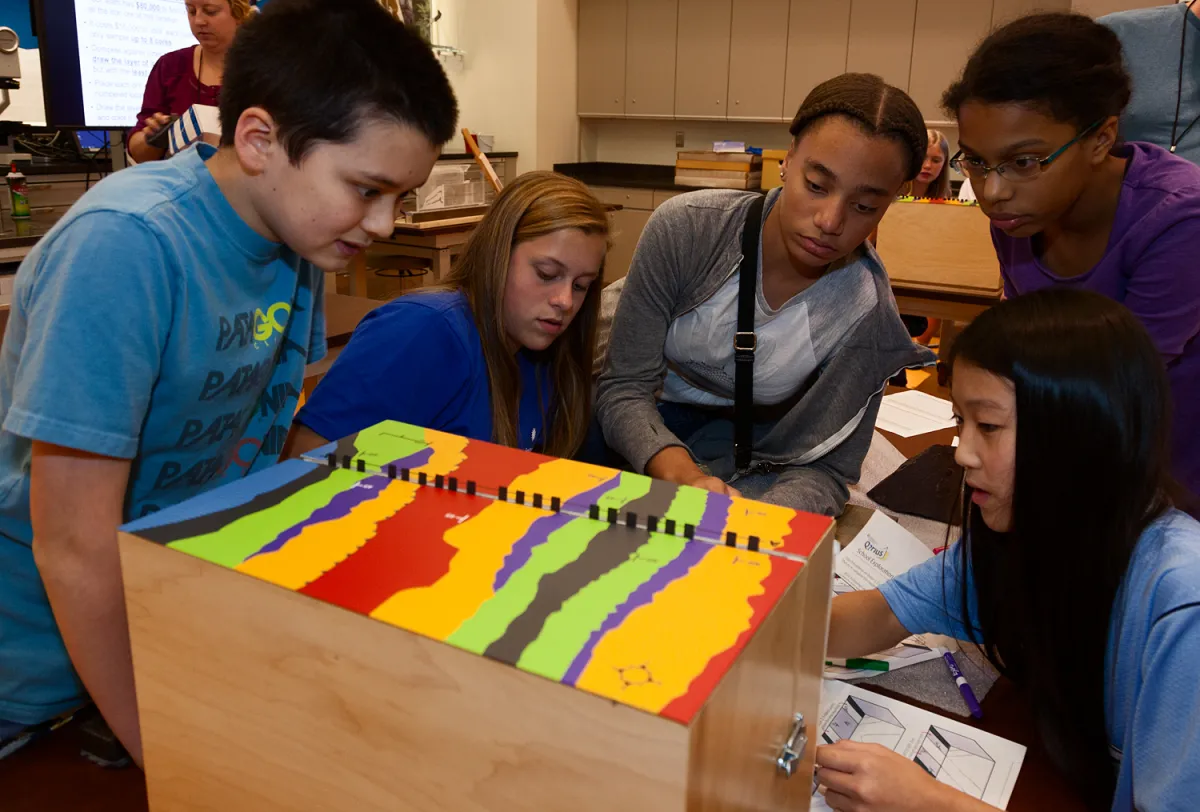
pixel 532 206
pixel 939 187
pixel 240 10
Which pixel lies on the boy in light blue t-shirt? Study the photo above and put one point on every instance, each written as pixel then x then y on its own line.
pixel 159 332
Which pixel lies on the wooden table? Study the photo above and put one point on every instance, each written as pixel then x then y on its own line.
pixel 945 304
pixel 437 241
pixel 49 776
pixel 342 315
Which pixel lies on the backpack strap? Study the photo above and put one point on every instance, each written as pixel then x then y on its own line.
pixel 745 340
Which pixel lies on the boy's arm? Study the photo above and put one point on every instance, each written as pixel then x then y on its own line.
pixel 75 502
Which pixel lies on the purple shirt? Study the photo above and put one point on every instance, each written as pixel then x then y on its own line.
pixel 173 87
pixel 1151 266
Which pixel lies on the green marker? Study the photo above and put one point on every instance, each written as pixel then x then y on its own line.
pixel 860 663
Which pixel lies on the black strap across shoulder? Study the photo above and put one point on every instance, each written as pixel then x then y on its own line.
pixel 745 341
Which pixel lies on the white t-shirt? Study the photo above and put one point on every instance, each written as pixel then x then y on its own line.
pixel 793 340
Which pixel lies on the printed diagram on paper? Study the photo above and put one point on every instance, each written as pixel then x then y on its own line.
pixel 972 761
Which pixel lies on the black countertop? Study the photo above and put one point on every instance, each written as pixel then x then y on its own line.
pixel 628 176
pixel 32 170
pixel 461 156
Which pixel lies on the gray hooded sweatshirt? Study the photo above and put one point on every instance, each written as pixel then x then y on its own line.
pixel 691 246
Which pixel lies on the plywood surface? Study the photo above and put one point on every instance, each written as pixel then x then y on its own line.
pixel 740 733
pixel 253 697
pixel 624 606
pixel 941 247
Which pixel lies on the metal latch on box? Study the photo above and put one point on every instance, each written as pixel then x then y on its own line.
pixel 793 749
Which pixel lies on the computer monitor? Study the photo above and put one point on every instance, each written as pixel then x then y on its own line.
pixel 97 54
pixel 91 140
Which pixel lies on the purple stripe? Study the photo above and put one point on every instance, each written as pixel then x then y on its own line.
pixel 522 549
pixel 539 532
pixel 345 501
pixel 716 512
pixel 672 571
pixel 582 501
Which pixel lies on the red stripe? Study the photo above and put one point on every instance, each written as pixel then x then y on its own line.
pixel 805 531
pixel 491 466
pixel 406 552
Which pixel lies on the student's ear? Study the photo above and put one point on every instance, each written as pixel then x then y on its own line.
pixel 255 139
pixel 1105 139
pixel 787 161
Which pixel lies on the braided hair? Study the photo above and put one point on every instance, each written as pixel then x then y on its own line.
pixel 874 106
pixel 1066 65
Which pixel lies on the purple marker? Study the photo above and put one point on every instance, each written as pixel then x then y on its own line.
pixel 963 686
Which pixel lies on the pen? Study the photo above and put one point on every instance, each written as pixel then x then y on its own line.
pixel 860 663
pixel 963 686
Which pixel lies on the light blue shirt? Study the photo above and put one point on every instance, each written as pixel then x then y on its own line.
pixel 1150 39
pixel 151 324
pixel 1150 669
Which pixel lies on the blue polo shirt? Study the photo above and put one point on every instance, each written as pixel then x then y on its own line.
pixel 419 360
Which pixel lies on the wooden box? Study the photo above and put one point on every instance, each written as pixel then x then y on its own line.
pixel 939 245
pixel 415 621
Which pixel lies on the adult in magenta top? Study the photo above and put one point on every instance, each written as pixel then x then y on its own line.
pixel 173 87
pixel 1152 266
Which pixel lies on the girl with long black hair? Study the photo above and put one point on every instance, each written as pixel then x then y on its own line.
pixel 1075 572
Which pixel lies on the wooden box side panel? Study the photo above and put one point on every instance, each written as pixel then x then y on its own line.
pixel 814 638
pixel 739 733
pixel 965 258
pixel 254 697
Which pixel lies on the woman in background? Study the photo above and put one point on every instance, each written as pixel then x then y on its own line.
pixel 191 75
pixel 934 177
pixel 932 181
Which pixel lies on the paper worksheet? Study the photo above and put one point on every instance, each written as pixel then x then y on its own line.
pixel 977 763
pixel 882 550
pixel 911 413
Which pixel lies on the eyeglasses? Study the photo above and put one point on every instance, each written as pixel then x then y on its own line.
pixel 1023 167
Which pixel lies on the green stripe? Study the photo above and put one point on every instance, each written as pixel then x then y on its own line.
pixel 631 487
pixel 491 620
pixel 567 630
pixel 237 541
pixel 387 441
pixel 688 507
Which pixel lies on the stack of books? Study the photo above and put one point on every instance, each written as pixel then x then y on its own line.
pixel 719 170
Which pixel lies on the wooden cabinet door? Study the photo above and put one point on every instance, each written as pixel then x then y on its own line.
pixel 650 58
pixel 626 228
pixel 758 59
pixel 945 34
pixel 881 39
pixel 702 58
pixel 1004 11
pixel 818 37
pixel 602 57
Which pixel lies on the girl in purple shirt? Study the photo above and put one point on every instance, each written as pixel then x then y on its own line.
pixel 1071 206
pixel 190 75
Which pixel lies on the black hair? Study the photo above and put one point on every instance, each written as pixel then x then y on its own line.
pixel 322 68
pixel 874 106
pixel 1065 65
pixel 1091 472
